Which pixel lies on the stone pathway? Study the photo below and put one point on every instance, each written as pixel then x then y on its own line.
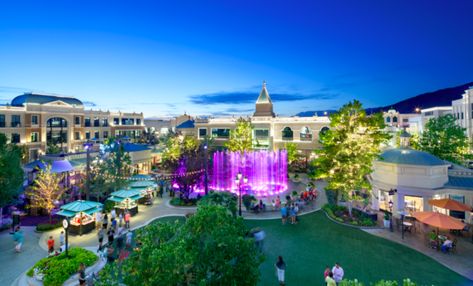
pixel 460 262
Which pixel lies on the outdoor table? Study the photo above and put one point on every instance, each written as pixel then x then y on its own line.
pixel 407 226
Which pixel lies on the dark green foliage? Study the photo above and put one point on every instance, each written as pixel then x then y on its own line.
pixel 247 199
pixel 41 227
pixel 58 269
pixel 224 199
pixel 178 202
pixel 340 213
pixel 11 173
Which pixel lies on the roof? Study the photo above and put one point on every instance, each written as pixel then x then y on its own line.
pixel 73 208
pixel 142 184
pixel 26 98
pixel 125 194
pixel 131 147
pixel 460 182
pixel 37 164
pixel 263 96
pixel 186 124
pixel 61 166
pixel 410 157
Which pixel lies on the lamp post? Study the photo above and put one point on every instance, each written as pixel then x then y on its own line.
pixel 402 223
pixel 206 166
pixel 65 225
pixel 238 182
pixel 87 146
pixel 391 216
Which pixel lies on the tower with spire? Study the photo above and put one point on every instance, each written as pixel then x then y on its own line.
pixel 264 106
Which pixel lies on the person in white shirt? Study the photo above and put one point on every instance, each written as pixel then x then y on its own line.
pixel 338 273
pixel 113 213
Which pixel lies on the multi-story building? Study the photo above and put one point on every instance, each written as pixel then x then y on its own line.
pixel 462 110
pixel 38 120
pixel 269 131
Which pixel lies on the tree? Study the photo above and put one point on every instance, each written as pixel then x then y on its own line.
pixel 224 199
pixel 413 140
pixel 291 149
pixel 241 138
pixel 445 139
pixel 349 148
pixel 11 173
pixel 46 190
pixel 53 149
pixel 210 248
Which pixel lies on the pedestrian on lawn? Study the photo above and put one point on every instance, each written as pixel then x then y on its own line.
pixel 50 243
pixel 338 273
pixel 284 214
pixel 326 272
pixel 329 279
pixel 259 236
pixel 280 270
pixel 18 238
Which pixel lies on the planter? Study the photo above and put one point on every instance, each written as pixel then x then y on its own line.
pixel 386 223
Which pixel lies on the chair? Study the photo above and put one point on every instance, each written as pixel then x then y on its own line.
pixel 453 249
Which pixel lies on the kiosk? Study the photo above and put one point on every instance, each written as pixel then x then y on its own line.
pixel 126 200
pixel 81 215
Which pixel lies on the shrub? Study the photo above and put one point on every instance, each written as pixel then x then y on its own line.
pixel 58 269
pixel 178 202
pixel 41 227
pixel 331 197
pixel 108 206
pixel 224 199
pixel 405 282
pixel 247 199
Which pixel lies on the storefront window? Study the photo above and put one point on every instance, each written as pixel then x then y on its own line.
pixel 413 204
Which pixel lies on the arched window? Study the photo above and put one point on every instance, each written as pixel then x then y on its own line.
pixel 394 119
pixel 388 119
pixel 287 134
pixel 322 132
pixel 56 130
pixel 306 134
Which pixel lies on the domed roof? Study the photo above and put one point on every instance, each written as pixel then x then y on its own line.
pixel 410 157
pixel 26 98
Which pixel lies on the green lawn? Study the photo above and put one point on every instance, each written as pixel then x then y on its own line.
pixel 316 242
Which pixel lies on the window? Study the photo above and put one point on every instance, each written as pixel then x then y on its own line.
pixel 306 134
pixel 87 121
pixel 105 134
pixel 221 133
pixel 202 132
pixel 413 204
pixel 76 135
pixel 394 119
pixel 87 135
pixel 428 113
pixel 15 138
pixel 105 122
pixel 116 121
pixel 457 214
pixel 388 119
pixel 405 120
pixel 261 133
pixel 287 134
pixel 56 122
pixel 77 120
pixel 96 122
pixel 462 115
pixel 34 137
pixel 2 120
pixel 138 121
pixel 34 119
pixel 96 135
pixel 15 121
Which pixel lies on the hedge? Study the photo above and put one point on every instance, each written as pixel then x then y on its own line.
pixel 57 269
pixel 41 227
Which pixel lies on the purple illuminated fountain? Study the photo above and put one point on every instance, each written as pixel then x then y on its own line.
pixel 266 172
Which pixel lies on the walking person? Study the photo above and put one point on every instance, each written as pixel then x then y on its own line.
pixel 329 279
pixel 113 214
pixel 327 271
pixel 338 273
pixel 50 243
pixel 105 222
pixel 98 220
pixel 284 214
pixel 127 219
pixel 259 236
pixel 18 238
pixel 292 214
pixel 62 239
pixel 110 234
pixel 280 270
pixel 129 238
pixel 82 274
pixel 100 234
pixel 120 219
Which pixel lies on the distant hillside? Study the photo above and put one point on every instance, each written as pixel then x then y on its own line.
pixel 441 97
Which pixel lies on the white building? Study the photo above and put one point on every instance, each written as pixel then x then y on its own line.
pixel 462 110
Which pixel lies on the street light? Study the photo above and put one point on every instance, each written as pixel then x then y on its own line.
pixel 65 225
pixel 391 216
pixel 87 146
pixel 238 182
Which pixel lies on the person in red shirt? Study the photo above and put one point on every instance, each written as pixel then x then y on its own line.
pixel 127 219
pixel 50 245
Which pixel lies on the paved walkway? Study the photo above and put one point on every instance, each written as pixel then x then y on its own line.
pixel 460 262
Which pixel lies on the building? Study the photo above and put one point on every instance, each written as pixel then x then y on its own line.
pixel 434 112
pixel 462 110
pixel 158 126
pixel 38 120
pixel 269 131
pixel 410 178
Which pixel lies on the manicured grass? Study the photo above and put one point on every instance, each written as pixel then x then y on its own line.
pixel 316 242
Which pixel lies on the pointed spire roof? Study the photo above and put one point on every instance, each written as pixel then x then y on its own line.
pixel 264 96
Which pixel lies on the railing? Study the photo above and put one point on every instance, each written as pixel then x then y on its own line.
pixel 462 173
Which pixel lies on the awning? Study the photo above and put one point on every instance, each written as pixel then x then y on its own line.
pixel 61 166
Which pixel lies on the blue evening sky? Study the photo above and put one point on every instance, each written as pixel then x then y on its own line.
pixel 210 57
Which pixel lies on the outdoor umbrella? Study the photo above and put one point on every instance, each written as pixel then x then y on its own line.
pixel 439 220
pixel 450 204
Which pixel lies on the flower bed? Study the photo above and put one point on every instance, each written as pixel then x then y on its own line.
pixel 55 270
pixel 341 214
